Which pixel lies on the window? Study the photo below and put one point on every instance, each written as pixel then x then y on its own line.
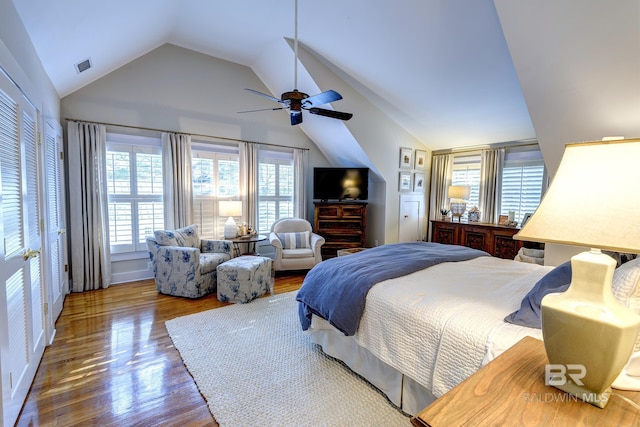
pixel 466 171
pixel 275 188
pixel 216 176
pixel 134 183
pixel 523 180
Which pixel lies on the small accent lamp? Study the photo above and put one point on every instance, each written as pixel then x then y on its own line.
pixel 230 208
pixel 458 195
pixel 589 204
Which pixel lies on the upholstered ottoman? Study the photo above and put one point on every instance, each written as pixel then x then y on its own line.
pixel 244 278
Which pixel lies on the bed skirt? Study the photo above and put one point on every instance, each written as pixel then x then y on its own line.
pixel 401 390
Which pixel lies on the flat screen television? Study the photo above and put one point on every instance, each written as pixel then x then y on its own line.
pixel 340 183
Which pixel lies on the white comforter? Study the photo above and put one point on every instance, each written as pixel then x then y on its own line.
pixel 439 325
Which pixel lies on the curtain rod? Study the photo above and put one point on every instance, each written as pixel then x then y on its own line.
pixel 187 133
pixel 522 143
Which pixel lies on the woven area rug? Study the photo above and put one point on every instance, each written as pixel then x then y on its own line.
pixel 255 366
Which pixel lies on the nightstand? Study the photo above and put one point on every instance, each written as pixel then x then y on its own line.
pixel 510 391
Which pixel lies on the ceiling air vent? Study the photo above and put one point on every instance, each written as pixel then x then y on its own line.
pixel 83 65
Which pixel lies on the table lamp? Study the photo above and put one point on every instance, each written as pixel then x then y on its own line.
pixel 458 195
pixel 588 336
pixel 230 208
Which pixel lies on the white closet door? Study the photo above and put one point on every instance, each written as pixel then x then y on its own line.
pixel 56 239
pixel 22 320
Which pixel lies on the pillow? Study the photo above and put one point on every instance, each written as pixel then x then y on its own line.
pixel 626 284
pixel 294 240
pixel 183 237
pixel 557 280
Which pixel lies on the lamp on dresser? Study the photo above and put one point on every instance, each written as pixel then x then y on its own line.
pixel 585 330
pixel 458 194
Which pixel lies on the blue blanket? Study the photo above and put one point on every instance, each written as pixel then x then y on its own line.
pixel 336 289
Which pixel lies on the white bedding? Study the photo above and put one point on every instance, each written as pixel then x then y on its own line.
pixel 439 325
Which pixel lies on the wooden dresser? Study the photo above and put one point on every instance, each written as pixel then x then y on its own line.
pixel 511 391
pixel 495 239
pixel 342 224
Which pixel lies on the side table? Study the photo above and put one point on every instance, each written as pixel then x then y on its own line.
pixel 510 391
pixel 250 241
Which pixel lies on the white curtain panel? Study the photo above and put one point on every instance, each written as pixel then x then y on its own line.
pixel 300 158
pixel 176 172
pixel 491 165
pixel 441 171
pixel 88 207
pixel 249 181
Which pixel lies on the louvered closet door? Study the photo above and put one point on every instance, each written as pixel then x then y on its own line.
pixel 58 285
pixel 21 292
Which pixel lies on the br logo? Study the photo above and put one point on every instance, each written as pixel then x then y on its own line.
pixel 555 374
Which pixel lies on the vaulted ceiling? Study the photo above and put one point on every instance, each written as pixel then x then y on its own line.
pixel 450 72
pixel 440 68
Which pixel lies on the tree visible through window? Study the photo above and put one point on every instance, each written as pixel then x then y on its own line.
pixel 466 171
pixel 216 176
pixel 275 188
pixel 134 183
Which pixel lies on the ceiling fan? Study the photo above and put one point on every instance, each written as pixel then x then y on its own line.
pixel 296 101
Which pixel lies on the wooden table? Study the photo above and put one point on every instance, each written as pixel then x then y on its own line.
pixel 510 391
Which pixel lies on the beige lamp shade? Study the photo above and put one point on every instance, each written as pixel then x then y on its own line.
pixel 459 192
pixel 230 208
pixel 592 200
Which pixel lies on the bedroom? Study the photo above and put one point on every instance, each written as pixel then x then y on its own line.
pixel 561 108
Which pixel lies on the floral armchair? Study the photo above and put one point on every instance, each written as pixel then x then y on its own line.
pixel 185 265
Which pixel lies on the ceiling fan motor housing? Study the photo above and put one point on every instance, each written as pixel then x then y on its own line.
pixel 295 98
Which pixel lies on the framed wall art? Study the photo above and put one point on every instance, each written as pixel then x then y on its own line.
pixel 421 160
pixel 406 158
pixel 404 182
pixel 418 182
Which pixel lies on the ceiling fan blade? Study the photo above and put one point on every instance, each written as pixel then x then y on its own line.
pixel 330 113
pixel 296 117
pixel 264 94
pixel 262 109
pixel 321 98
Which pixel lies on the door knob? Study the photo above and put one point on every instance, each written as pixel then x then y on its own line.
pixel 30 254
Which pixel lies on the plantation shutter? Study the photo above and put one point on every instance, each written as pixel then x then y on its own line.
pixel 521 188
pixel 11 180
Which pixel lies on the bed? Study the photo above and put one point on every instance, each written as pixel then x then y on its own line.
pixel 422 332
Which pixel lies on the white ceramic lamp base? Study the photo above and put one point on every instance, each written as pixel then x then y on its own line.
pixel 588 335
pixel 230 229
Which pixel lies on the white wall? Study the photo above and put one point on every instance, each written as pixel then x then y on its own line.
pixel 177 89
pixel 578 63
pixel 19 59
pixel 378 137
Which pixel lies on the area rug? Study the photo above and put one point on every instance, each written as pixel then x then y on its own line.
pixel 255 366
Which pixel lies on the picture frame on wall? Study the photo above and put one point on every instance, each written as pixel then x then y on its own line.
pixel 406 158
pixel 420 160
pixel 404 181
pixel 418 182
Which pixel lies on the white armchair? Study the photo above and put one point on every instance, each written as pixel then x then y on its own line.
pixel 297 247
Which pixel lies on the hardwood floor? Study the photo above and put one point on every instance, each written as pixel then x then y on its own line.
pixel 112 362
